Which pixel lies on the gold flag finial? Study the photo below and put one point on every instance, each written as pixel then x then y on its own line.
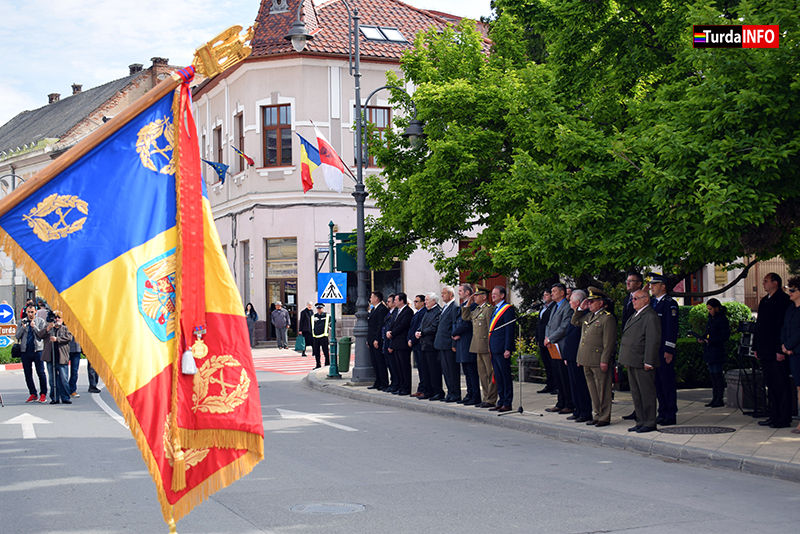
pixel 225 50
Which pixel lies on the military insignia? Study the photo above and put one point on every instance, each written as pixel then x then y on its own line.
pixel 211 376
pixel 199 349
pixel 674 312
pixel 155 284
pixel 147 145
pixel 192 457
pixel 61 206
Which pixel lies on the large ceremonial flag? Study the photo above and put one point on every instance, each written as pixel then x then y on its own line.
pixel 333 168
pixel 309 161
pixel 119 235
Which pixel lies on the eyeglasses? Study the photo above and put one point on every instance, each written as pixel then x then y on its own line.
pixel 631 280
pixel 638 298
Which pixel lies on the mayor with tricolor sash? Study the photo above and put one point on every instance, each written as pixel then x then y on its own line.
pixel 118 233
pixel 501 345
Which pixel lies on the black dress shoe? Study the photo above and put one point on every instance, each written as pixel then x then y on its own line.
pixel 389 389
pixel 773 425
pixel 495 408
pixel 645 429
pixel 94 390
pixel 572 417
pixel 582 419
pixel 373 387
pixel 634 428
pixel 554 392
pixel 403 393
pixel 462 401
pixel 502 409
pixel 768 422
pixel 453 399
pixel 396 392
pixel 70 402
pixel 545 390
pixel 602 423
pixel 630 417
pixel 436 397
pixel 667 422
pixel 473 402
pixel 564 411
pixel 592 422
pixel 54 402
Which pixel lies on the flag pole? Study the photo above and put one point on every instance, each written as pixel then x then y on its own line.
pixel 87 144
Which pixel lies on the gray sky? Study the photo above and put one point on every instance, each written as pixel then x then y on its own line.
pixel 47 45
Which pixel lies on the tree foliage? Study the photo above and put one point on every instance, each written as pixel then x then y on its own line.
pixel 593 138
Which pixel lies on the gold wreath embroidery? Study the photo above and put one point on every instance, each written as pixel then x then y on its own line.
pixel 192 457
pixel 147 144
pixel 227 400
pixel 58 204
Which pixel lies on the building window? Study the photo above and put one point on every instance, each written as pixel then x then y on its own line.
pixel 217 149
pixel 238 123
pixel 277 121
pixel 379 120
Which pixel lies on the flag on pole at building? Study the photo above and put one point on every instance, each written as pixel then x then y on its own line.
pixel 309 161
pixel 247 158
pixel 221 168
pixel 333 168
pixel 119 235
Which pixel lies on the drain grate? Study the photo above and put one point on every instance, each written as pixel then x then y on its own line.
pixel 328 508
pixel 696 430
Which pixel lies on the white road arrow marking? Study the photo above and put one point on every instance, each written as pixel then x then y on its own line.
pixel 26 421
pixel 316 418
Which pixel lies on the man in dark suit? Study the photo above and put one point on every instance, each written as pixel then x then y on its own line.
pixel 462 335
pixel 666 386
pixel 399 337
pixel 638 351
pixel 501 345
pixel 767 348
pixel 386 346
pixel 633 283
pixel 554 333
pixel 544 318
pixel 447 347
pixel 426 333
pixel 413 343
pixel 375 320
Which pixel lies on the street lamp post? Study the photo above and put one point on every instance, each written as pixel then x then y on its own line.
pixel 362 370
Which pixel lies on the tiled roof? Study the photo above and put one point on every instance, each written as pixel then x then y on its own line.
pixel 56 119
pixel 327 23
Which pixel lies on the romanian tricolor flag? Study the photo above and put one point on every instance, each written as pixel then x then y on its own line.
pixel 309 161
pixel 118 234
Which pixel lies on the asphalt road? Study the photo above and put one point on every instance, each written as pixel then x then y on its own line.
pixel 338 466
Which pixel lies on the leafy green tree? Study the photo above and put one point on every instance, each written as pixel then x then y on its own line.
pixel 592 137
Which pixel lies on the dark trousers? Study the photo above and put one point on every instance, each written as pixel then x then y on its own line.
pixel 580 391
pixel 74 365
pixel 666 389
pixel 322 343
pixel 59 384
pixel 502 375
pixel 379 366
pixel 404 366
pixel 451 372
pixel 29 361
pixel 309 337
pixel 561 374
pixel 547 363
pixel 92 375
pixel 420 364
pixel 473 382
pixel 779 389
pixel 433 380
pixel 394 372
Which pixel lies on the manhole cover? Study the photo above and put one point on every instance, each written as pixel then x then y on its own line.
pixel 328 508
pixel 696 430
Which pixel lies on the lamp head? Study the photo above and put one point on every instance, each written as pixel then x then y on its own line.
pixel 414 133
pixel 298 35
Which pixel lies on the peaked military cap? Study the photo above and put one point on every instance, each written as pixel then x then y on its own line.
pixel 595 293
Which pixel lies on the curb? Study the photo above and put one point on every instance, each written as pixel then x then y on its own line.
pixel 646 447
pixel 10 366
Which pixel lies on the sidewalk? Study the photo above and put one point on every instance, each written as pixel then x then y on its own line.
pixel 750 448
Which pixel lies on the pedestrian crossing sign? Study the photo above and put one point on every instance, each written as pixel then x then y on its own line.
pixel 332 288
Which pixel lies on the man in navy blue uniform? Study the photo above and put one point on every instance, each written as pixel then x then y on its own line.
pixel 666 388
pixel 413 343
pixel 501 345
pixel 399 336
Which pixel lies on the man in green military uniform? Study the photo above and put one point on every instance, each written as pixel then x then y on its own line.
pixel 480 317
pixel 598 341
pixel 321 323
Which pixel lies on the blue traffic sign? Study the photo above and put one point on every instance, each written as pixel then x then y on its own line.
pixel 332 288
pixel 5 341
pixel 6 314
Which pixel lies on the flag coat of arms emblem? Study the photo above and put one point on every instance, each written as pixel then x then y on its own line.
pixel 123 241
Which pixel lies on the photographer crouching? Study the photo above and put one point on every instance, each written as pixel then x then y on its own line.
pixel 56 338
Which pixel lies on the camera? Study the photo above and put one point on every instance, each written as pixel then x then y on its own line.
pixel 51 317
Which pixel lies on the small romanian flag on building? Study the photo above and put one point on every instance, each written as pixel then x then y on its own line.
pixel 119 235
pixel 309 161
